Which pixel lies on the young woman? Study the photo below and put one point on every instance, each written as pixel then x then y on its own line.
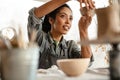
pixel 53 20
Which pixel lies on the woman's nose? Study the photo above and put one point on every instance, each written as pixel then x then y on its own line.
pixel 68 21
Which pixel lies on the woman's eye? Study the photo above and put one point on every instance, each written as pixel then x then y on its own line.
pixel 71 18
pixel 63 16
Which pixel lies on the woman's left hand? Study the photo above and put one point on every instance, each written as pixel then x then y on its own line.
pixel 84 22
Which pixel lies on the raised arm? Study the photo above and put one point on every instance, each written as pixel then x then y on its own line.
pixel 48 7
pixel 84 23
pixel 35 19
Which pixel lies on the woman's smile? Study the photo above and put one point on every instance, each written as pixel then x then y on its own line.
pixel 65 27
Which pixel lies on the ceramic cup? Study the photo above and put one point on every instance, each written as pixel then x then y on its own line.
pixel 19 64
pixel 108 22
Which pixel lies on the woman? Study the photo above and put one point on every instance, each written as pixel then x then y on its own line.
pixel 51 28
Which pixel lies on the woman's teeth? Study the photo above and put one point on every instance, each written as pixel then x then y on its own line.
pixel 66 28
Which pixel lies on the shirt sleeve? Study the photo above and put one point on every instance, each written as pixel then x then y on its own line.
pixel 34 22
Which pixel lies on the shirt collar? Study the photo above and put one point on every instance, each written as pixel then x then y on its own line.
pixel 62 41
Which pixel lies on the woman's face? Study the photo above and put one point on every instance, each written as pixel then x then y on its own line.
pixel 63 21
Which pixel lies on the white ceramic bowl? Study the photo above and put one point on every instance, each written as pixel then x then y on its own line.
pixel 73 67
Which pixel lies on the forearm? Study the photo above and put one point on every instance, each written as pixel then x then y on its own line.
pixel 83 24
pixel 48 7
pixel 85 49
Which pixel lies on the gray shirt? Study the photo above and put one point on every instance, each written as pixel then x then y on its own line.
pixel 49 51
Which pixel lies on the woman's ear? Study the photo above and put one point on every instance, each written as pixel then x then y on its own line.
pixel 51 20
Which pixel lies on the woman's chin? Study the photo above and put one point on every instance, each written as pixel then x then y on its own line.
pixel 65 32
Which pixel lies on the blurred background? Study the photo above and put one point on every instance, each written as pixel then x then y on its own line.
pixel 14 13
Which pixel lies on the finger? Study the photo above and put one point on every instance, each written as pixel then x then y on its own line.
pixel 81 4
pixel 91 4
pixel 86 4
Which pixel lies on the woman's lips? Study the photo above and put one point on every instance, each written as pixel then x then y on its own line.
pixel 66 28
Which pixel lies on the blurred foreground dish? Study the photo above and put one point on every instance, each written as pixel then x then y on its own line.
pixel 73 67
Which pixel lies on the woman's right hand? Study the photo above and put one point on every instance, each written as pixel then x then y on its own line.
pixel 88 3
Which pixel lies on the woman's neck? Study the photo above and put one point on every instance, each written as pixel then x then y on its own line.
pixel 56 36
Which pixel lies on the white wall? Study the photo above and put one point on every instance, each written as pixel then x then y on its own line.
pixel 14 12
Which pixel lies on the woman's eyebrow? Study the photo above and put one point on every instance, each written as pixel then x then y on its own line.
pixel 64 13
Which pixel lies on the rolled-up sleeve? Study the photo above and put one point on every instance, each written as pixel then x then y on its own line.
pixel 34 22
